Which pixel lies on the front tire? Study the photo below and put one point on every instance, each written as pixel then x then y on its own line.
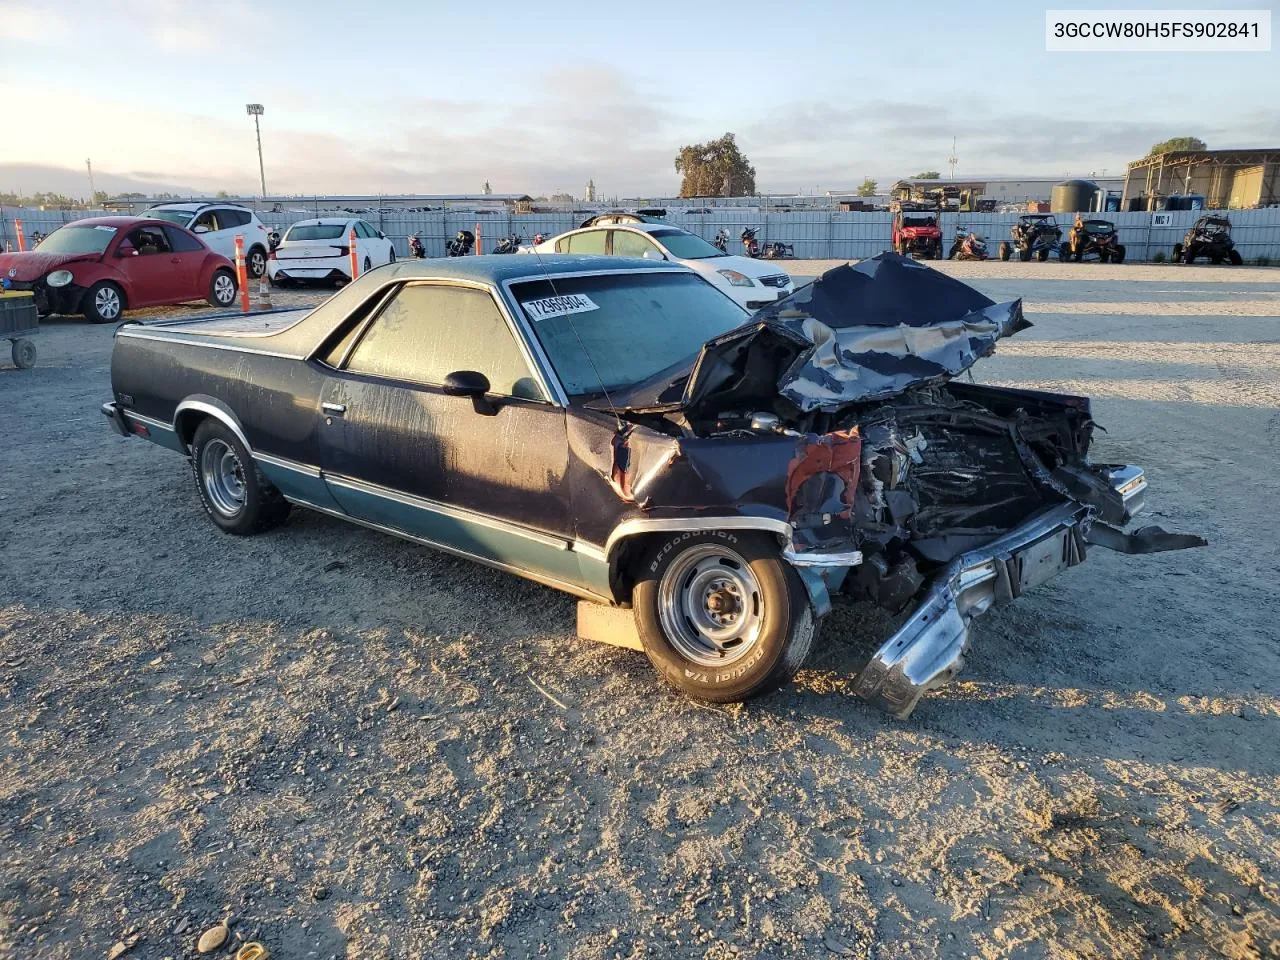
pixel 257 262
pixel 1006 252
pixel 721 615
pixel 103 302
pixel 233 491
pixel 222 289
pixel 1234 258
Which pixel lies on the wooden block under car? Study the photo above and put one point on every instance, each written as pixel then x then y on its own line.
pixel 610 625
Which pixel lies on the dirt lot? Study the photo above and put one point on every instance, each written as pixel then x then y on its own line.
pixel 354 747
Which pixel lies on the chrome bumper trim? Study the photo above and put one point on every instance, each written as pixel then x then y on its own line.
pixel 928 650
pixel 817 558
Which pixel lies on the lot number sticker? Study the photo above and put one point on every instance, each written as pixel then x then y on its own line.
pixel 559 306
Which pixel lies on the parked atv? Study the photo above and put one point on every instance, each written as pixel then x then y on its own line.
pixel 1092 238
pixel 1210 237
pixel 967 246
pixel 1034 235
pixel 917 232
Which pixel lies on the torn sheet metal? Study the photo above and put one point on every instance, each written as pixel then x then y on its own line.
pixel 822 481
pixel 860 333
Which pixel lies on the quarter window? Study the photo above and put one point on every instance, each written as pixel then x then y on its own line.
pixel 233 218
pixel 181 241
pixel 430 331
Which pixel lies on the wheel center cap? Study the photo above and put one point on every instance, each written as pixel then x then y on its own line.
pixel 722 601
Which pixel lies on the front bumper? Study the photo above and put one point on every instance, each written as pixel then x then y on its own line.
pixel 928 650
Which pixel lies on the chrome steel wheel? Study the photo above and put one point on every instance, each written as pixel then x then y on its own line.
pixel 107 302
pixel 710 605
pixel 224 289
pixel 257 263
pixel 222 475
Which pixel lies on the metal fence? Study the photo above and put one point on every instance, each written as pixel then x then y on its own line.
pixel 818 235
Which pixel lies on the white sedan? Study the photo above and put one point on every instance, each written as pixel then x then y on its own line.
pixel 752 283
pixel 320 250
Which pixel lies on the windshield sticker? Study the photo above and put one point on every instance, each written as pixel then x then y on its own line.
pixel 559 306
pixel 108 229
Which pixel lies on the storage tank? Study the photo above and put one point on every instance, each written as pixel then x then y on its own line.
pixel 1074 196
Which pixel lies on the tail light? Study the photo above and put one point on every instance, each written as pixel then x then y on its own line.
pixel 271 255
pixel 344 250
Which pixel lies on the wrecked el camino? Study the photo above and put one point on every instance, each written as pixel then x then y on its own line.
pixel 708 481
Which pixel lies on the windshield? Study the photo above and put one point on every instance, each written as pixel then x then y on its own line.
pixel 78 240
pixel 180 217
pixel 632 325
pixel 315 231
pixel 686 246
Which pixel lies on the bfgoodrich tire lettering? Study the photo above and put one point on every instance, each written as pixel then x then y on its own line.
pixel 232 490
pixel 696 586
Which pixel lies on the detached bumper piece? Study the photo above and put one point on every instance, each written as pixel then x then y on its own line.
pixel 928 650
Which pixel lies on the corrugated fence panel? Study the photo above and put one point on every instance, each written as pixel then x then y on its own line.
pixel 819 234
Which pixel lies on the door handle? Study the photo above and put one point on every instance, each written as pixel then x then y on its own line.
pixel 334 409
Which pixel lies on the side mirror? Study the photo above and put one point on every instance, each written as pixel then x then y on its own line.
pixel 200 228
pixel 469 383
pixel 381 235
pixel 126 250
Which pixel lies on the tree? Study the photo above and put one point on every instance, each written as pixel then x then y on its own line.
pixel 715 169
pixel 562 198
pixel 928 175
pixel 223 195
pixel 100 197
pixel 868 188
pixel 1176 145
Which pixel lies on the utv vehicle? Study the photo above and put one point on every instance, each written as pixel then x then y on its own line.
pixel 917 232
pixel 1209 237
pixel 1094 238
pixel 1034 235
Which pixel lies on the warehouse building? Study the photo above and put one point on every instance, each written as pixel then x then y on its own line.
pixel 1239 179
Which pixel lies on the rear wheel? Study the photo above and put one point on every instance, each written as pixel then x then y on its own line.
pixel 1064 253
pixel 257 262
pixel 721 615
pixel 1177 253
pixel 103 302
pixel 1006 251
pixel 1117 255
pixel 1189 255
pixel 1215 258
pixel 368 265
pixel 233 491
pixel 1235 258
pixel 1042 254
pixel 222 289
pixel 1103 256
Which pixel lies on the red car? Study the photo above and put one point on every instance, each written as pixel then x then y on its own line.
pixel 105 265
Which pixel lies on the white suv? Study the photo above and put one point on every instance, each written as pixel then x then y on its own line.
pixel 218 224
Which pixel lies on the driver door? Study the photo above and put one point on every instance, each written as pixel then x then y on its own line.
pixel 483 477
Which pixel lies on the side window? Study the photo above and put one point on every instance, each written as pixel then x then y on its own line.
pixel 589 241
pixel 149 241
pixel 628 244
pixel 430 331
pixel 368 230
pixel 181 241
pixel 227 219
pixel 208 220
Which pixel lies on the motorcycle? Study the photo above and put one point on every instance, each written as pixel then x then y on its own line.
pixel 721 242
pixel 461 245
pixel 416 249
pixel 510 245
pixel 968 246
pixel 273 238
pixel 750 246
pixel 539 238
pixel 769 250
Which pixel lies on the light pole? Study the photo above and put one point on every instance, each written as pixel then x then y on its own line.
pixel 255 110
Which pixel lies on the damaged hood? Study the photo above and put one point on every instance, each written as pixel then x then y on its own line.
pixel 858 333
pixel 32 265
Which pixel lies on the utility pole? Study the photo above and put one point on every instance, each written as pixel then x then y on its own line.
pixel 953 159
pixel 89 166
pixel 255 110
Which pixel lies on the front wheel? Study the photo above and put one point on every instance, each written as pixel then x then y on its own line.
pixel 1006 252
pixel 1234 258
pixel 1043 255
pixel 1177 253
pixel 233 491
pixel 1117 255
pixel 222 289
pixel 103 302
pixel 722 616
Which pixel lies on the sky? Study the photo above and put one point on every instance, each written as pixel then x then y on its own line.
pixel 428 97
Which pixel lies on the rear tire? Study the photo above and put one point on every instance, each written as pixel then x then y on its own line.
pixel 1103 256
pixel 1043 254
pixel 1117 255
pixel 222 289
pixel 1235 259
pixel 1006 252
pixel 233 491
pixel 1177 253
pixel 256 262
pixel 721 615
pixel 1189 255
pixel 103 302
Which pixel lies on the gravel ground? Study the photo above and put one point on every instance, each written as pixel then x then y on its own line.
pixel 349 746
